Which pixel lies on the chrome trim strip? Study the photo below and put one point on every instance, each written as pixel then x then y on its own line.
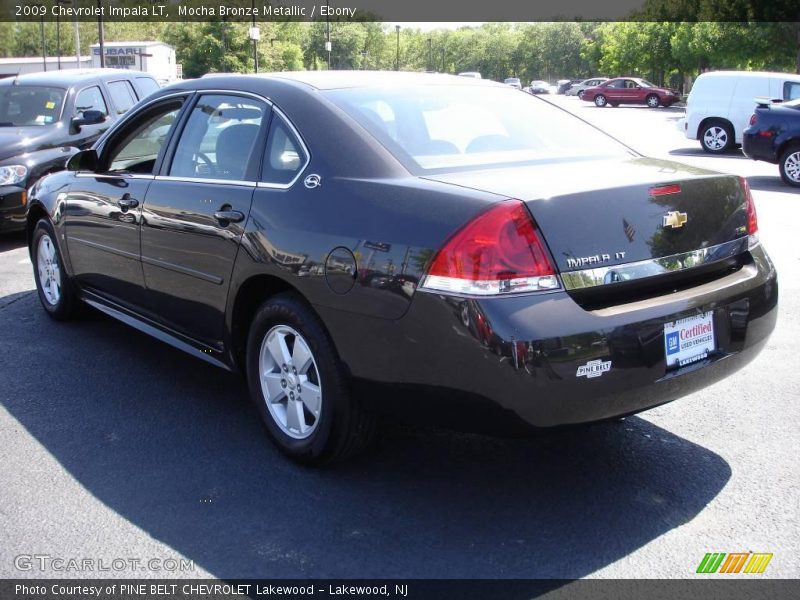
pixel 587 278
pixel 89 174
pixel 183 270
pixel 237 182
pixel 285 186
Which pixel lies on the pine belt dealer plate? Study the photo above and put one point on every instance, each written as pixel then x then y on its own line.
pixel 689 340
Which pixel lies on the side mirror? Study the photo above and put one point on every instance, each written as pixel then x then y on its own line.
pixel 85 160
pixel 90 117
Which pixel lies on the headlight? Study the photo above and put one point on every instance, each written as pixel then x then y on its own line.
pixel 12 174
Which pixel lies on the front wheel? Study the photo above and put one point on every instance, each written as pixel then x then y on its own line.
pixel 300 387
pixel 652 101
pixel 56 292
pixel 600 100
pixel 789 166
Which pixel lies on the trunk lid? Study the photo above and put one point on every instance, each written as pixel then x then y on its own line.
pixel 606 213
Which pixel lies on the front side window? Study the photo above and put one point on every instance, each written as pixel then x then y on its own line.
pixel 29 105
pixel 219 139
pixel 90 99
pixel 138 146
pixel 449 127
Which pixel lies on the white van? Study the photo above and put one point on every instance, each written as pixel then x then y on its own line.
pixel 720 104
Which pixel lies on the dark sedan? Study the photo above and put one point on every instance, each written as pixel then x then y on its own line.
pixel 774 136
pixel 46 117
pixel 443 248
pixel 630 90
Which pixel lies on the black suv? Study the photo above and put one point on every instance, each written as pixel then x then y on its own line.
pixel 46 117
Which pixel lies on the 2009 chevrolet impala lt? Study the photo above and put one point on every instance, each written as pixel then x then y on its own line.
pixel 447 247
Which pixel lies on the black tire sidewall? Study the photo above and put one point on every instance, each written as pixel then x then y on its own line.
pixel 322 443
pixel 63 308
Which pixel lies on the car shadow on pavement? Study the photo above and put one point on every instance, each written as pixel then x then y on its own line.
pixel 700 152
pixel 173 446
pixel 771 184
pixel 12 241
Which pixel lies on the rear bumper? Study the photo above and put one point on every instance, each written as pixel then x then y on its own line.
pixel 759 147
pixel 12 208
pixel 520 356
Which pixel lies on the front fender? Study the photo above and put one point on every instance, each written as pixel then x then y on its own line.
pixel 47 199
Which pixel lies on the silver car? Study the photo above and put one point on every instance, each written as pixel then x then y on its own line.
pixel 577 89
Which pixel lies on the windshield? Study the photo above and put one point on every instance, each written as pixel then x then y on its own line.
pixel 645 83
pixel 437 127
pixel 28 105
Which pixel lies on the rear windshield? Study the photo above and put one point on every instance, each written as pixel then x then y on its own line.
pixel 29 105
pixel 437 127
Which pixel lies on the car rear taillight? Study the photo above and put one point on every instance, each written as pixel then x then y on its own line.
pixel 752 218
pixel 499 252
pixel 753 119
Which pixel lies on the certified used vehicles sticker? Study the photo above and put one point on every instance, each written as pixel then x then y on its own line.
pixel 593 368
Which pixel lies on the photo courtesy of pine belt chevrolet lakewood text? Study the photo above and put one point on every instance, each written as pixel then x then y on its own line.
pixel 444 249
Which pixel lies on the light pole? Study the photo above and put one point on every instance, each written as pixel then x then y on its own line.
pixel 397 60
pixel 254 35
pixel 443 69
pixel 328 46
pixel 58 30
pixel 101 34
pixel 44 48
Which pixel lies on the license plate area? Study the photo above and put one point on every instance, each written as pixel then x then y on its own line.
pixel 689 340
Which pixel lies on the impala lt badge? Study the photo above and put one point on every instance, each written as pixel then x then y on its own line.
pixel 675 219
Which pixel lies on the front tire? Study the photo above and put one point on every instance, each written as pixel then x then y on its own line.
pixel 56 291
pixel 299 385
pixel 652 101
pixel 600 100
pixel 716 137
pixel 789 166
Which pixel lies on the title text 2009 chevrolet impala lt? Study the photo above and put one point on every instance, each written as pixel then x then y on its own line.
pixel 442 245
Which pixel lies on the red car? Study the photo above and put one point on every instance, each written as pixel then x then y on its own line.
pixel 630 90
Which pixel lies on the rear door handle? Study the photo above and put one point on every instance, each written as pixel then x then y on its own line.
pixel 127 202
pixel 228 216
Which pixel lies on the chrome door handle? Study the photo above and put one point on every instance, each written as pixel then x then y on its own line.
pixel 127 202
pixel 228 216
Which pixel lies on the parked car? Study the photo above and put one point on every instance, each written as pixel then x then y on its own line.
pixel 470 74
pixel 630 90
pixel 774 136
pixel 720 104
pixel 564 84
pixel 46 117
pixel 513 82
pixel 424 179
pixel 539 87
pixel 578 88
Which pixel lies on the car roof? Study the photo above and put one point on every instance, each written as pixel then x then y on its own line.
pixel 328 80
pixel 69 77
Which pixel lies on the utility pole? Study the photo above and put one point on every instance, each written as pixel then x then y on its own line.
pixel 254 35
pixel 430 54
pixel 328 45
pixel 397 60
pixel 77 40
pixel 44 48
pixel 101 35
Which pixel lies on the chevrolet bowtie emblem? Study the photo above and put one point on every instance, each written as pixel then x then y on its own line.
pixel 675 219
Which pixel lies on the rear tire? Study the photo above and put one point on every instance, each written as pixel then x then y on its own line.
pixel 716 137
pixel 789 166
pixel 600 100
pixel 300 387
pixel 56 290
pixel 652 101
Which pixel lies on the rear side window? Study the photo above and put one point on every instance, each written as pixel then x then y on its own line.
pixel 791 90
pixel 90 99
pixel 122 95
pixel 219 138
pixel 147 85
pixel 285 156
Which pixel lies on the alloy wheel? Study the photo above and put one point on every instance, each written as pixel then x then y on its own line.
pixel 290 382
pixel 791 166
pixel 715 138
pixel 49 270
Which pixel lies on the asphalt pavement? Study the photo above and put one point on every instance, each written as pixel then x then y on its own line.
pixel 121 450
